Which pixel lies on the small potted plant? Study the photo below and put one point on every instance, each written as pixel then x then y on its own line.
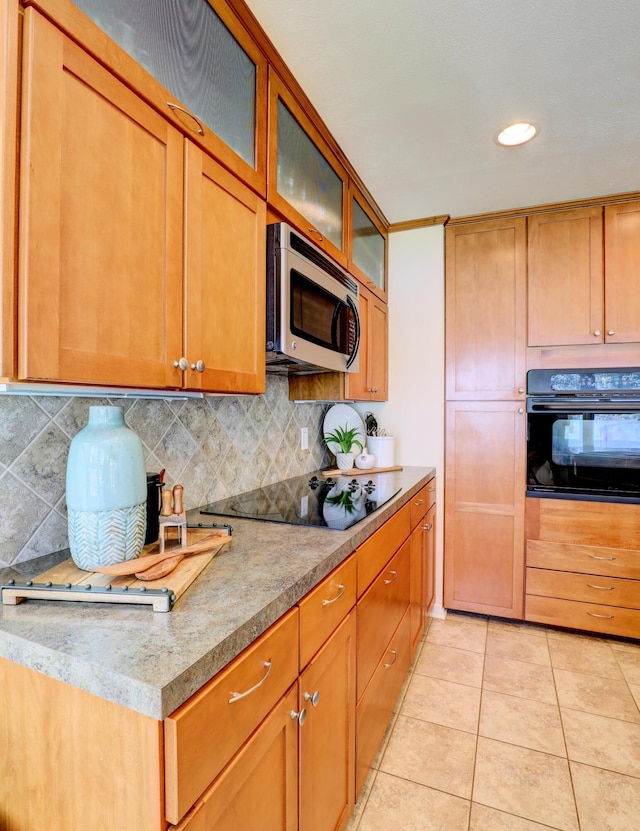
pixel 346 440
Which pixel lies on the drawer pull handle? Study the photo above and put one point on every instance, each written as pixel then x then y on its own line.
pixel 605 617
pixel 419 502
pixel 395 658
pixel 235 696
pixel 395 577
pixel 602 588
pixel 595 557
pixel 337 597
pixel 314 698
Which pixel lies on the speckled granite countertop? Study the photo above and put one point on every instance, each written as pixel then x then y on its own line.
pixel 152 662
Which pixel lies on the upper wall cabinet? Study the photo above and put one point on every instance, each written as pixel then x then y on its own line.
pixel 583 283
pixel 486 310
pixel 193 61
pixel 367 245
pixel 565 278
pixel 141 258
pixel 306 182
pixel 622 267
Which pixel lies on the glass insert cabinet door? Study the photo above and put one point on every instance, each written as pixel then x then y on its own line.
pixel 186 46
pixel 306 179
pixel 307 184
pixel 368 247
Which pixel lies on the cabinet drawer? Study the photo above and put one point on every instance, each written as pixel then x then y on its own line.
pixel 375 553
pixel 380 612
pixel 608 591
pixel 208 729
pixel 591 617
pixel 589 559
pixel 422 501
pixel 324 607
pixel 376 705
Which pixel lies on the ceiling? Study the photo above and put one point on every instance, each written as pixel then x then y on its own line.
pixel 415 90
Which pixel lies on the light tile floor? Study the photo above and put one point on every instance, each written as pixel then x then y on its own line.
pixel 510 727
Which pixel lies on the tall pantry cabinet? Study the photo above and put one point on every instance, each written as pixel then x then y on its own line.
pixel 485 416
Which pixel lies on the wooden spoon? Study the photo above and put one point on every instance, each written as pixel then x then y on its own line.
pixel 160 569
pixel 141 564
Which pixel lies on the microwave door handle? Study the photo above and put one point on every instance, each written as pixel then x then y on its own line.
pixel 356 345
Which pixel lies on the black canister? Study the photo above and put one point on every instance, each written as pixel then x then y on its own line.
pixel 154 487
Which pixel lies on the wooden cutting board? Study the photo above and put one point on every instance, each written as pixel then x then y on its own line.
pixel 356 471
pixel 68 582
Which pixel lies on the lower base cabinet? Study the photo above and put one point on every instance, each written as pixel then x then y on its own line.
pixel 242 796
pixel 281 739
pixel 583 570
pixel 328 735
pixel 375 707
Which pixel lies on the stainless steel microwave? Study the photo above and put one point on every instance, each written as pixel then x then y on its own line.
pixel 313 322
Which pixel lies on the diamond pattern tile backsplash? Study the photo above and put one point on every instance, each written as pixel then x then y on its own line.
pixel 215 447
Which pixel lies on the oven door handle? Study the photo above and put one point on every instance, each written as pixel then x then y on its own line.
pixel 584 405
pixel 356 345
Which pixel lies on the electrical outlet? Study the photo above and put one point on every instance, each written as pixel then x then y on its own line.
pixel 304 438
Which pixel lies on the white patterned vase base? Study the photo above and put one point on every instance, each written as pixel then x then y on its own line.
pixel 103 538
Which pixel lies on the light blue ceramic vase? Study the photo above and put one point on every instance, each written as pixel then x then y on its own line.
pixel 106 491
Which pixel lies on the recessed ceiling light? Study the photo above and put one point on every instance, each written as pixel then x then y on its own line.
pixel 518 133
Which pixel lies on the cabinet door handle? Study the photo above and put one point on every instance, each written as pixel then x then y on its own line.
pixel 394 577
pixel 603 588
pixel 611 331
pixel 186 112
pixel 520 390
pixel 597 333
pixel 198 366
pixel 605 617
pixel 337 597
pixel 395 658
pixel 182 364
pixel 428 526
pixel 520 410
pixel 315 231
pixel 596 557
pixel 314 698
pixel 301 716
pixel 235 696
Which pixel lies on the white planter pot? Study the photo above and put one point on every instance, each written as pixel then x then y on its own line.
pixel 344 461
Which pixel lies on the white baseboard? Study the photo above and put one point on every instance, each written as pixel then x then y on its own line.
pixel 438 612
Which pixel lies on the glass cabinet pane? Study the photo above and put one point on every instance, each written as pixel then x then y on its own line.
pixel 306 179
pixel 367 245
pixel 185 46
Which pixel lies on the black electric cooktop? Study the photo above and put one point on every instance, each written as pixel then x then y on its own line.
pixel 336 502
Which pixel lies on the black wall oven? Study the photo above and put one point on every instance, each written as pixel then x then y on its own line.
pixel 583 434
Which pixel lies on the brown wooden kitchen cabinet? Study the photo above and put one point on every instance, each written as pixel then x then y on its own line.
pixel 73 760
pixel 621 268
pixel 583 282
pixel 485 295
pixel 101 239
pixel 565 280
pixel 306 183
pixel 484 507
pixel 328 734
pixel 367 244
pixel 384 633
pixel 582 565
pixel 423 515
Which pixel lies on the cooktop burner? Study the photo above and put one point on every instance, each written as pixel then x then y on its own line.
pixel 336 502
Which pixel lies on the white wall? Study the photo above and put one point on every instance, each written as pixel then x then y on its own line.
pixel 414 413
